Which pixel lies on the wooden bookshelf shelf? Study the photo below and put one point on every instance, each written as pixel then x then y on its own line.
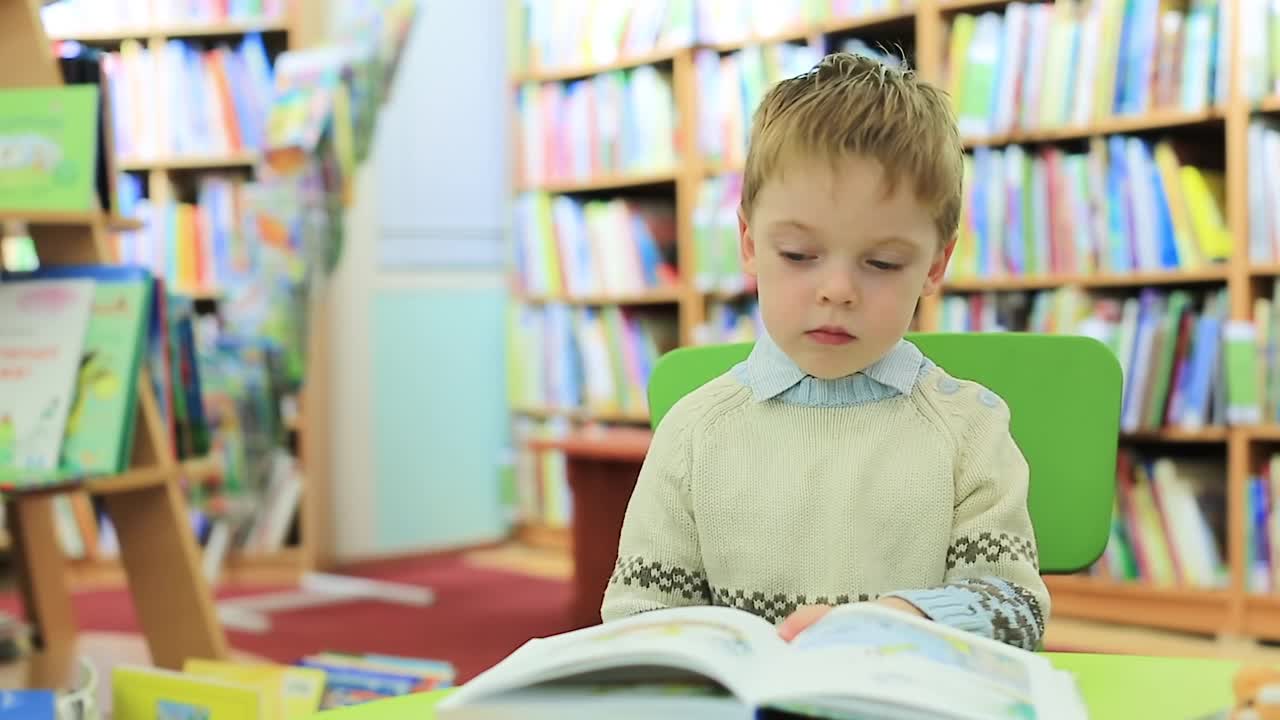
pixel 114 223
pixel 627 444
pixel 1261 616
pixel 971 5
pixel 1158 120
pixel 1206 435
pixel 1270 270
pixel 197 162
pixel 1213 274
pixel 621 181
pixel 584 415
pixel 870 21
pixel 1261 433
pixel 659 296
pixel 583 71
pixel 1270 104
pixel 545 537
pixel 185 30
pixel 1170 608
pixel 791 35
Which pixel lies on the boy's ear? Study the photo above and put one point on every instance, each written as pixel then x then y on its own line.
pixel 746 244
pixel 938 268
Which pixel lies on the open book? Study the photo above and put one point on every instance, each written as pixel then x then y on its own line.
pixel 860 661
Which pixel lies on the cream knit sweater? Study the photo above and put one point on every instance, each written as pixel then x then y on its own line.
pixel 769 505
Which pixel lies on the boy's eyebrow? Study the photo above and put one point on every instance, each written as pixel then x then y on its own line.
pixel 790 225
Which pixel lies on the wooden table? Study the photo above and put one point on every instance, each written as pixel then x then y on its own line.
pixel 602 466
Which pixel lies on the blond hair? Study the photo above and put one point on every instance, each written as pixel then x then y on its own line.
pixel 854 105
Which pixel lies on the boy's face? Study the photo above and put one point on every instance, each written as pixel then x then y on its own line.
pixel 840 265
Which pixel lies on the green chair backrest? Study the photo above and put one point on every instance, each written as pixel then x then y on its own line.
pixel 1064 394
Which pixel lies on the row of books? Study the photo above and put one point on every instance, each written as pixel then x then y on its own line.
pixel 731 321
pixel 1262 533
pixel 730 86
pixel 197 247
pixel 1169 524
pixel 1264 190
pixel 623 121
pixel 1170 344
pixel 257 690
pixel 568 246
pixel 597 359
pixel 1260 48
pixel 540 495
pixel 1126 204
pixel 181 99
pixel 64 18
pixel 551 34
pixel 1259 401
pixel 715 235
pixel 1045 65
pixel 735 21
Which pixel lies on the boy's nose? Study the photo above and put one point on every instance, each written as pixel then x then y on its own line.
pixel 837 291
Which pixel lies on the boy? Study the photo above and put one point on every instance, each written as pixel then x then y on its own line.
pixel 838 464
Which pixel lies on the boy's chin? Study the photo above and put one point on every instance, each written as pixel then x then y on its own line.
pixel 831 368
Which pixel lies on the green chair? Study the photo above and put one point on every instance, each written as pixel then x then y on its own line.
pixel 1064 395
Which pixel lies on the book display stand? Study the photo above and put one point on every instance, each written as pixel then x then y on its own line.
pixel 146 504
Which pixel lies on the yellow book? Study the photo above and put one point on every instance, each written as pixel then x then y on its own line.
pixel 1205 194
pixel 139 693
pixel 961 36
pixel 289 692
pixel 1183 237
pixel 1104 98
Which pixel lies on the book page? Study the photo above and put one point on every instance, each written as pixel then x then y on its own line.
pixel 865 656
pixel 679 645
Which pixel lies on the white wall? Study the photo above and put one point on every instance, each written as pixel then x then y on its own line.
pixel 436 184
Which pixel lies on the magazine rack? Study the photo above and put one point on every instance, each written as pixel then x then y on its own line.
pixel 146 504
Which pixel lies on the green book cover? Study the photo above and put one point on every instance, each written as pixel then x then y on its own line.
pixel 1241 357
pixel 98 438
pixel 1179 300
pixel 49 148
pixel 100 429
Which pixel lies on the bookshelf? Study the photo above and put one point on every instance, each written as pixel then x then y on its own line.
pixel 1218 124
pixel 172 177
pixel 158 552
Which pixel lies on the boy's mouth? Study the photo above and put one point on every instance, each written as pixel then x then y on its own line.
pixel 831 335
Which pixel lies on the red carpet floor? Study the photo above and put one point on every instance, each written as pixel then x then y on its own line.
pixel 479 616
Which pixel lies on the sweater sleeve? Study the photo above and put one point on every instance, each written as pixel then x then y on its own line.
pixel 659 562
pixel 992 584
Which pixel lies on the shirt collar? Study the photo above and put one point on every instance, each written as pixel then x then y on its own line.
pixel 770 371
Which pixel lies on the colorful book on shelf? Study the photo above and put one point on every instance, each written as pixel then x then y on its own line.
pixel 1126 205
pixel 352 679
pixel 42 336
pixel 100 426
pixel 181 99
pixel 1049 65
pixel 1169 526
pixel 614 123
pixel 575 248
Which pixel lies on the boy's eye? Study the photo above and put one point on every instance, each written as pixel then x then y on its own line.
pixel 795 256
pixel 882 265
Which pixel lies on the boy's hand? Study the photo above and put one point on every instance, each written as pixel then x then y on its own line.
pixel 807 615
pixel 802 618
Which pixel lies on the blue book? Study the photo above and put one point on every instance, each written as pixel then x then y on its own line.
pixel 28 705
